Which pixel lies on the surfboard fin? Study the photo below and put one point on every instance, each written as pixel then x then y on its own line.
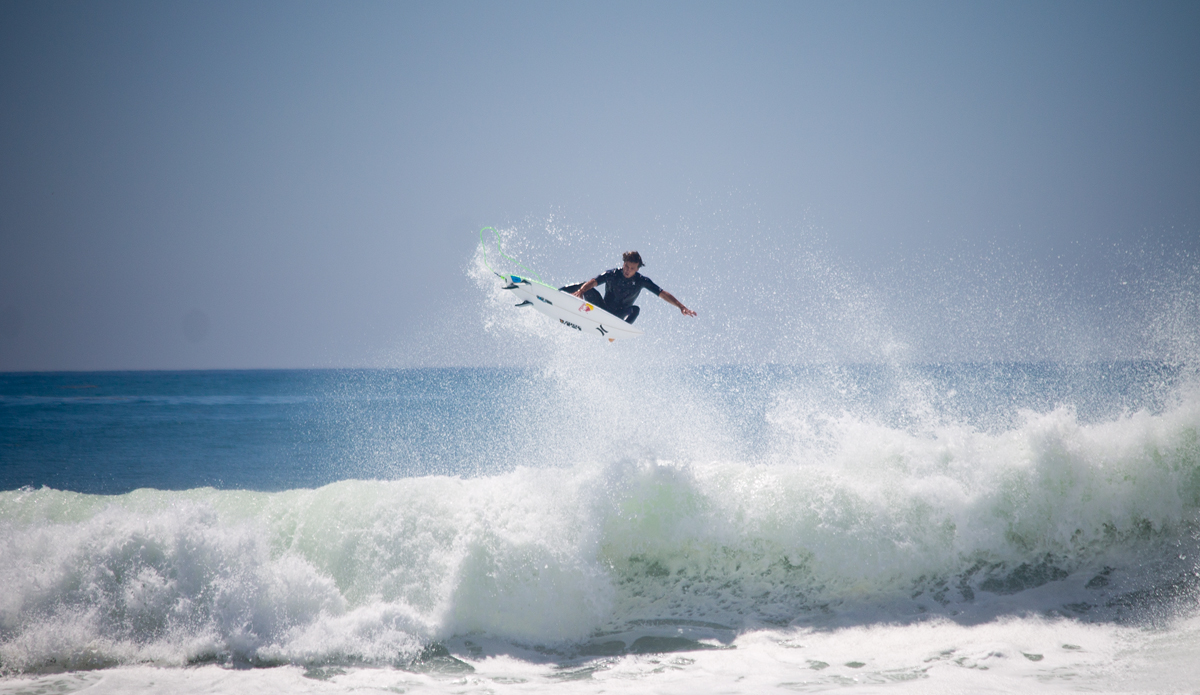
pixel 525 303
pixel 510 286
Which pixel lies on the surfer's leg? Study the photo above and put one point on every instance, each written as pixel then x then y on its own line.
pixel 632 313
pixel 593 296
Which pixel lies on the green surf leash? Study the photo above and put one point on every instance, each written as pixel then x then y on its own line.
pixel 534 276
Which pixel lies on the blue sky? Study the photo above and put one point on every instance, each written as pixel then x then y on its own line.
pixel 243 185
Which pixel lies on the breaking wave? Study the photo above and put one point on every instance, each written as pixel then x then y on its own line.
pixel 832 518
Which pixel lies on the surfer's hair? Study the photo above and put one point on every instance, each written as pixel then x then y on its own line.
pixel 632 256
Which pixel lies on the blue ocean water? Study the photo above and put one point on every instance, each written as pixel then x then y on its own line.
pixel 114 432
pixel 530 523
pixel 272 430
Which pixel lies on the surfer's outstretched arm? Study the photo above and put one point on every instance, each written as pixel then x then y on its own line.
pixel 670 298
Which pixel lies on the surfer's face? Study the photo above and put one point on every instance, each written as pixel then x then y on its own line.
pixel 629 269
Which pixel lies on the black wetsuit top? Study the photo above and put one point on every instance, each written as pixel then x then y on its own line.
pixel 621 292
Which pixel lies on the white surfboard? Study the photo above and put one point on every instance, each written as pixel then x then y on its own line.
pixel 572 312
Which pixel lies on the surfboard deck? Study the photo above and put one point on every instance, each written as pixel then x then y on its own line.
pixel 570 311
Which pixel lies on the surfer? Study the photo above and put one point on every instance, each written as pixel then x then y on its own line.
pixel 622 286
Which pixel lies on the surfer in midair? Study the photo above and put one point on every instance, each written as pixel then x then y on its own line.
pixel 622 286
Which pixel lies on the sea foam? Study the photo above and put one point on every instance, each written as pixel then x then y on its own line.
pixel 859 523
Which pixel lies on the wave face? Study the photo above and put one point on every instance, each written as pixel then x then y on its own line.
pixel 702 503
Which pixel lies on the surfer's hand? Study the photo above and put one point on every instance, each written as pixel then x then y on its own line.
pixel 686 311
pixel 577 293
